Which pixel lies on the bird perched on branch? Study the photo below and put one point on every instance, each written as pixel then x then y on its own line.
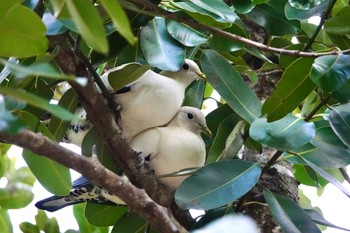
pixel 175 147
pixel 154 99
pixel 150 101
pixel 169 149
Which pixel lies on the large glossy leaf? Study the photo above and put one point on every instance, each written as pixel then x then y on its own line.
pixel 327 141
pixel 319 219
pixel 89 24
pixel 339 119
pixel 278 134
pixel 230 85
pixel 5 222
pixel 319 157
pixel 217 184
pixel 304 13
pixel 38 102
pixel 22 31
pixel 184 34
pixel 51 175
pixel 119 18
pixel 104 215
pixel 159 48
pixel 271 16
pixel 292 89
pixel 41 70
pixel 130 222
pixel 104 155
pixel 122 75
pixel 305 175
pixel 289 215
pixel 331 72
pixel 343 93
pixel 222 44
pixel 58 127
pixel 224 130
pixel 16 196
pixel 84 225
pixel 8 122
pixel 209 12
pixel 339 23
pixel 194 94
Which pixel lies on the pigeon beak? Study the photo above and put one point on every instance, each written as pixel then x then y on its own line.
pixel 206 131
pixel 201 76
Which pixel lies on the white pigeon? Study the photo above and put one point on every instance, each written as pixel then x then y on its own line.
pixel 174 147
pixel 154 99
pixel 150 101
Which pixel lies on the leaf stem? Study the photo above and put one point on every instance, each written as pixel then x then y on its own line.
pixel 318 107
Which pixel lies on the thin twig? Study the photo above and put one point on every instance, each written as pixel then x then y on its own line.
pixel 318 107
pixel 169 15
pixel 324 16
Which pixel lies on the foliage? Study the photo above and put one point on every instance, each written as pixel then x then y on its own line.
pixel 306 118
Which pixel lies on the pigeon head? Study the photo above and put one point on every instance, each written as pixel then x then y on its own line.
pixel 192 119
pixel 188 72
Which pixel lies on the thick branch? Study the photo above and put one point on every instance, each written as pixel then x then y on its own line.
pixel 132 164
pixel 155 214
pixel 215 31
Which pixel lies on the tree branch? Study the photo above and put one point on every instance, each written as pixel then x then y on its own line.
pixel 169 15
pixel 159 217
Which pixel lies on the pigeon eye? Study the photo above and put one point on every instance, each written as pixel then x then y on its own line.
pixel 185 66
pixel 190 115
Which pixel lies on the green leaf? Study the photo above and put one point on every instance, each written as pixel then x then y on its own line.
pixel 331 179
pixel 194 94
pixel 185 34
pixel 51 175
pixel 9 123
pixel 338 24
pixel 271 16
pixel 84 225
pixel 294 87
pixel 104 215
pixel 331 72
pixel 29 228
pixel 224 130
pixel 339 119
pixel 53 25
pixel 343 93
pixel 40 219
pixel 304 13
pixel 16 196
pixel 122 75
pixel 22 175
pixel 38 102
pixel 52 226
pixel 278 134
pixel 305 175
pixel 105 156
pixel 213 13
pixel 327 141
pixel 319 157
pixel 217 184
pixel 243 6
pixel 130 223
pixel 89 24
pixel 5 222
pixel 289 215
pixel 319 219
pixel 230 85
pixel 40 70
pixel 159 48
pixel 22 31
pixel 58 127
pixel 120 19
pixel 225 45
